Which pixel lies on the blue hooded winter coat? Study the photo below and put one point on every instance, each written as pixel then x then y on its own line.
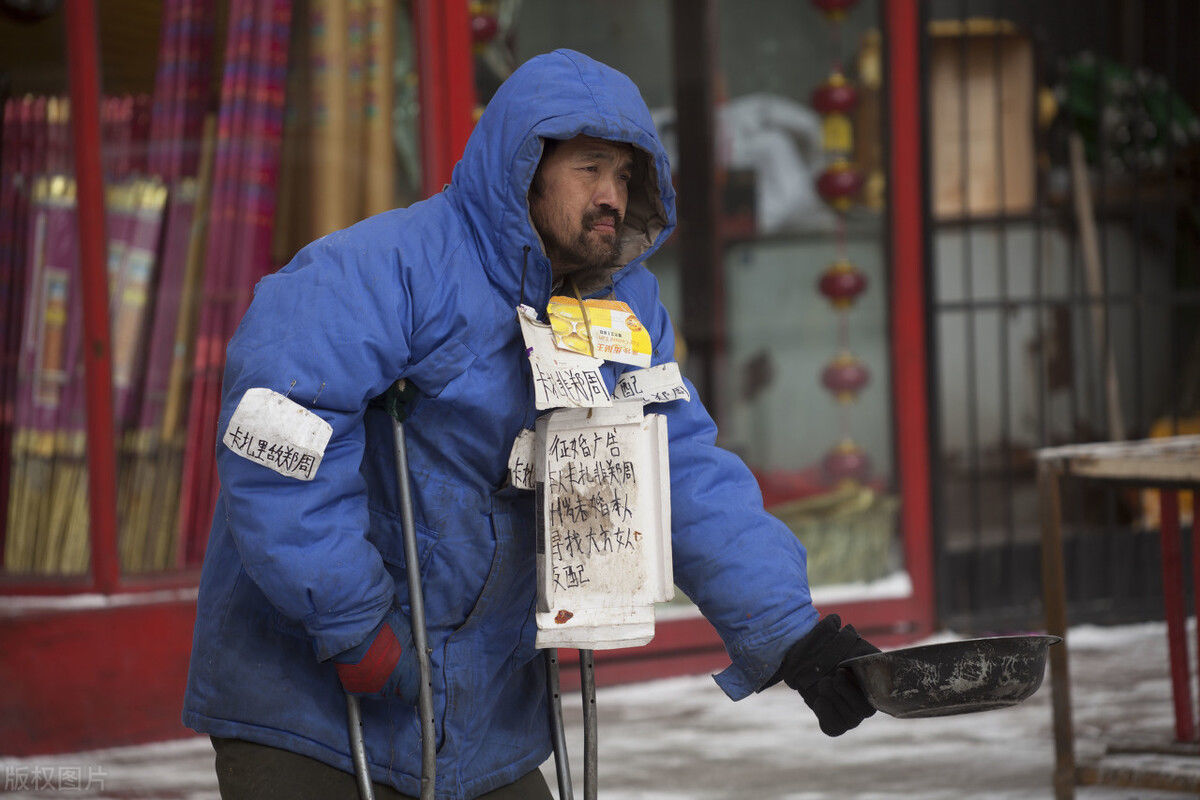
pixel 297 572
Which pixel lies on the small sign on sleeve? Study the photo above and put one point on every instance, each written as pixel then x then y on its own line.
pixel 278 433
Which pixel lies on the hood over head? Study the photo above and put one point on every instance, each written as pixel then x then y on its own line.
pixel 558 95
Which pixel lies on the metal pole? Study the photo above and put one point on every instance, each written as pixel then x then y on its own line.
pixel 587 683
pixel 416 600
pixel 562 765
pixel 358 750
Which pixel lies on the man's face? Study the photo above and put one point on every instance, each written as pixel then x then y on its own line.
pixel 578 202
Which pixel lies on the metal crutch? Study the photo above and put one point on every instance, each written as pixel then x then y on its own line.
pixel 358 750
pixel 394 402
pixel 561 764
pixel 587 687
pixel 416 600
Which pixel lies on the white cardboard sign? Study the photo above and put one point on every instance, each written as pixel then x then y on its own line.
pixel 661 384
pixel 521 461
pixel 282 435
pixel 604 543
pixel 561 378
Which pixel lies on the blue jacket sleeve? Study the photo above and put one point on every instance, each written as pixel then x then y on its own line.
pixel 330 331
pixel 743 568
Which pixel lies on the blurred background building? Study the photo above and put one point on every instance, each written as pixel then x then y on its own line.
pixel 917 241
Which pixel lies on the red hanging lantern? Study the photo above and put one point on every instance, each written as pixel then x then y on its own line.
pixel 845 376
pixel 484 24
pixel 834 9
pixel 836 95
pixel 842 283
pixel 846 462
pixel 838 185
pixel 834 100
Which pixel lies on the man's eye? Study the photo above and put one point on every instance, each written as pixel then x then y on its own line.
pixel 626 177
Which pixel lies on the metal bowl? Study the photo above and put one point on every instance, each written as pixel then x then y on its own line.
pixel 936 680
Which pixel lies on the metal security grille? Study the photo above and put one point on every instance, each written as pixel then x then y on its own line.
pixel 1063 154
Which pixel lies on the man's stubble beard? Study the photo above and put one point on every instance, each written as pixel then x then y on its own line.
pixel 580 254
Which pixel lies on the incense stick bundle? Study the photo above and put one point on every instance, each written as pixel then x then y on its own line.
pixel 249 129
pixel 135 287
pixel 379 189
pixel 145 336
pixel 47 354
pixel 61 531
pixel 32 426
pixel 12 292
pixel 23 156
pixel 332 150
pixel 197 478
pixel 166 522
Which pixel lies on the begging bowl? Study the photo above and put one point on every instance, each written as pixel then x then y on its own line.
pixel 935 680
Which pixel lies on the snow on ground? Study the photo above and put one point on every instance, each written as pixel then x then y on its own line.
pixel 681 739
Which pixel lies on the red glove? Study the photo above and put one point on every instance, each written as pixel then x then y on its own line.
pixel 385 664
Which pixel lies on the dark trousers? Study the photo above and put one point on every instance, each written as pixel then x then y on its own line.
pixel 249 771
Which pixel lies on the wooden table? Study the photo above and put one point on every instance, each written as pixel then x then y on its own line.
pixel 1168 465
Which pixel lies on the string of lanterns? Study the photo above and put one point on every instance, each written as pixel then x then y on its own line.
pixel 845 376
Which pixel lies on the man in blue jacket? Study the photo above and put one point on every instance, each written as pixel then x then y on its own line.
pixel 563 185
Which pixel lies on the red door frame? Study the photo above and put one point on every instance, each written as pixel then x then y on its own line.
pixel 446 88
pixel 906 240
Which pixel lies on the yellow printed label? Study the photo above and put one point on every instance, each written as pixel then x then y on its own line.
pixel 616 334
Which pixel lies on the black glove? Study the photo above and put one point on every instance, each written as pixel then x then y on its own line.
pixel 811 668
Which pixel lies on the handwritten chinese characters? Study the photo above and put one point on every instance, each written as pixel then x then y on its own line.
pixel 280 434
pixel 283 458
pixel 590 493
pixel 661 384
pixel 569 387
pixel 561 378
pixel 604 542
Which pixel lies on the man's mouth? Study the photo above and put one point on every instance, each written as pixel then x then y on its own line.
pixel 604 224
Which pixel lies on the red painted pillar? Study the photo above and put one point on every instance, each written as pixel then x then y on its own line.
pixel 83 64
pixel 906 236
pixel 446 89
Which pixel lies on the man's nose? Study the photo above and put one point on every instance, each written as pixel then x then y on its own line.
pixel 608 192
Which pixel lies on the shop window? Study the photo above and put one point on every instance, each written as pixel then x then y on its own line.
pixel 803 383
pixel 233 132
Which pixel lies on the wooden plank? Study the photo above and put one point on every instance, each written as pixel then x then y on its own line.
pixel 1173 459
pixel 1144 771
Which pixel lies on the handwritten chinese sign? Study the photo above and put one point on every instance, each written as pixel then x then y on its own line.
pixel 603 512
pixel 278 433
pixel 661 384
pixel 561 378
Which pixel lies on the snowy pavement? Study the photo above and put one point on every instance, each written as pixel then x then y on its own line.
pixel 681 739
